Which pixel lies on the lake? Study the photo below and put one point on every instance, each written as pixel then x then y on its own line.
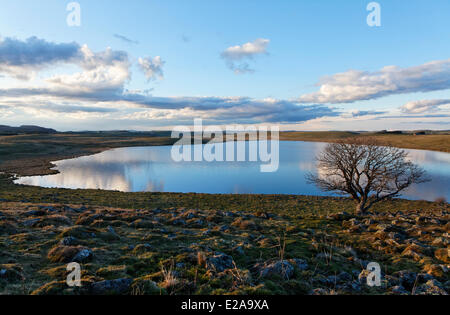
pixel 152 169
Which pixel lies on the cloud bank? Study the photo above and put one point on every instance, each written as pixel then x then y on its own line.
pixel 352 86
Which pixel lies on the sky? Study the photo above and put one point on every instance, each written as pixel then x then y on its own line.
pixel 302 65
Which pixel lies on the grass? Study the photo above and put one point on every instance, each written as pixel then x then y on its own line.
pixel 163 257
pixel 291 204
pixel 432 142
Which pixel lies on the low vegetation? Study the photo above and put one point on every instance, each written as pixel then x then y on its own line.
pixel 157 243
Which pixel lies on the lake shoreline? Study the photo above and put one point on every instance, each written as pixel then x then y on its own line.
pixel 33 155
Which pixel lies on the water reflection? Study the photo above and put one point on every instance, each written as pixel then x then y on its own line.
pixel 152 169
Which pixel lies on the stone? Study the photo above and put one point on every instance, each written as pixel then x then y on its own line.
pixel 283 269
pixel 219 262
pixel 69 241
pixel 300 264
pixel 111 287
pixel 437 271
pixel 239 250
pixel 440 242
pixel 11 272
pixel 432 287
pixel 406 279
pixel 83 255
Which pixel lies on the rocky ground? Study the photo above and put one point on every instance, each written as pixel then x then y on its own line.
pixel 192 251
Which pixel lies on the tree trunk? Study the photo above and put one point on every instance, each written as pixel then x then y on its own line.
pixel 361 208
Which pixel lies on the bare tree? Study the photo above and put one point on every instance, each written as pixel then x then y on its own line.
pixel 366 171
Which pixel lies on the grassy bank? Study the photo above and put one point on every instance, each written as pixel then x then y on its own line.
pixel 161 243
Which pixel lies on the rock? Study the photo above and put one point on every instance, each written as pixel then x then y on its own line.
pixel 283 269
pixel 239 250
pixel 406 279
pixel 432 287
pixel 11 272
pixel 111 287
pixel 442 254
pixel 220 262
pixel 47 208
pixel 440 242
pixel 69 241
pixel 189 216
pixel 300 264
pixel 83 255
pixel 437 271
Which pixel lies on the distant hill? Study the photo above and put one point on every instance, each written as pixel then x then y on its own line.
pixel 7 130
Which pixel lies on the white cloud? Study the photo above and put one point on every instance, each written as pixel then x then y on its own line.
pixel 422 106
pixel 152 67
pixel 351 86
pixel 236 57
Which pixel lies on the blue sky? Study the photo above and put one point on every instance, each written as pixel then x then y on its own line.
pixel 204 71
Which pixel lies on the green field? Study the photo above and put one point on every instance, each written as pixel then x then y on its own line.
pixel 162 243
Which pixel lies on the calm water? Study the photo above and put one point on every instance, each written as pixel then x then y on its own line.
pixel 152 169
